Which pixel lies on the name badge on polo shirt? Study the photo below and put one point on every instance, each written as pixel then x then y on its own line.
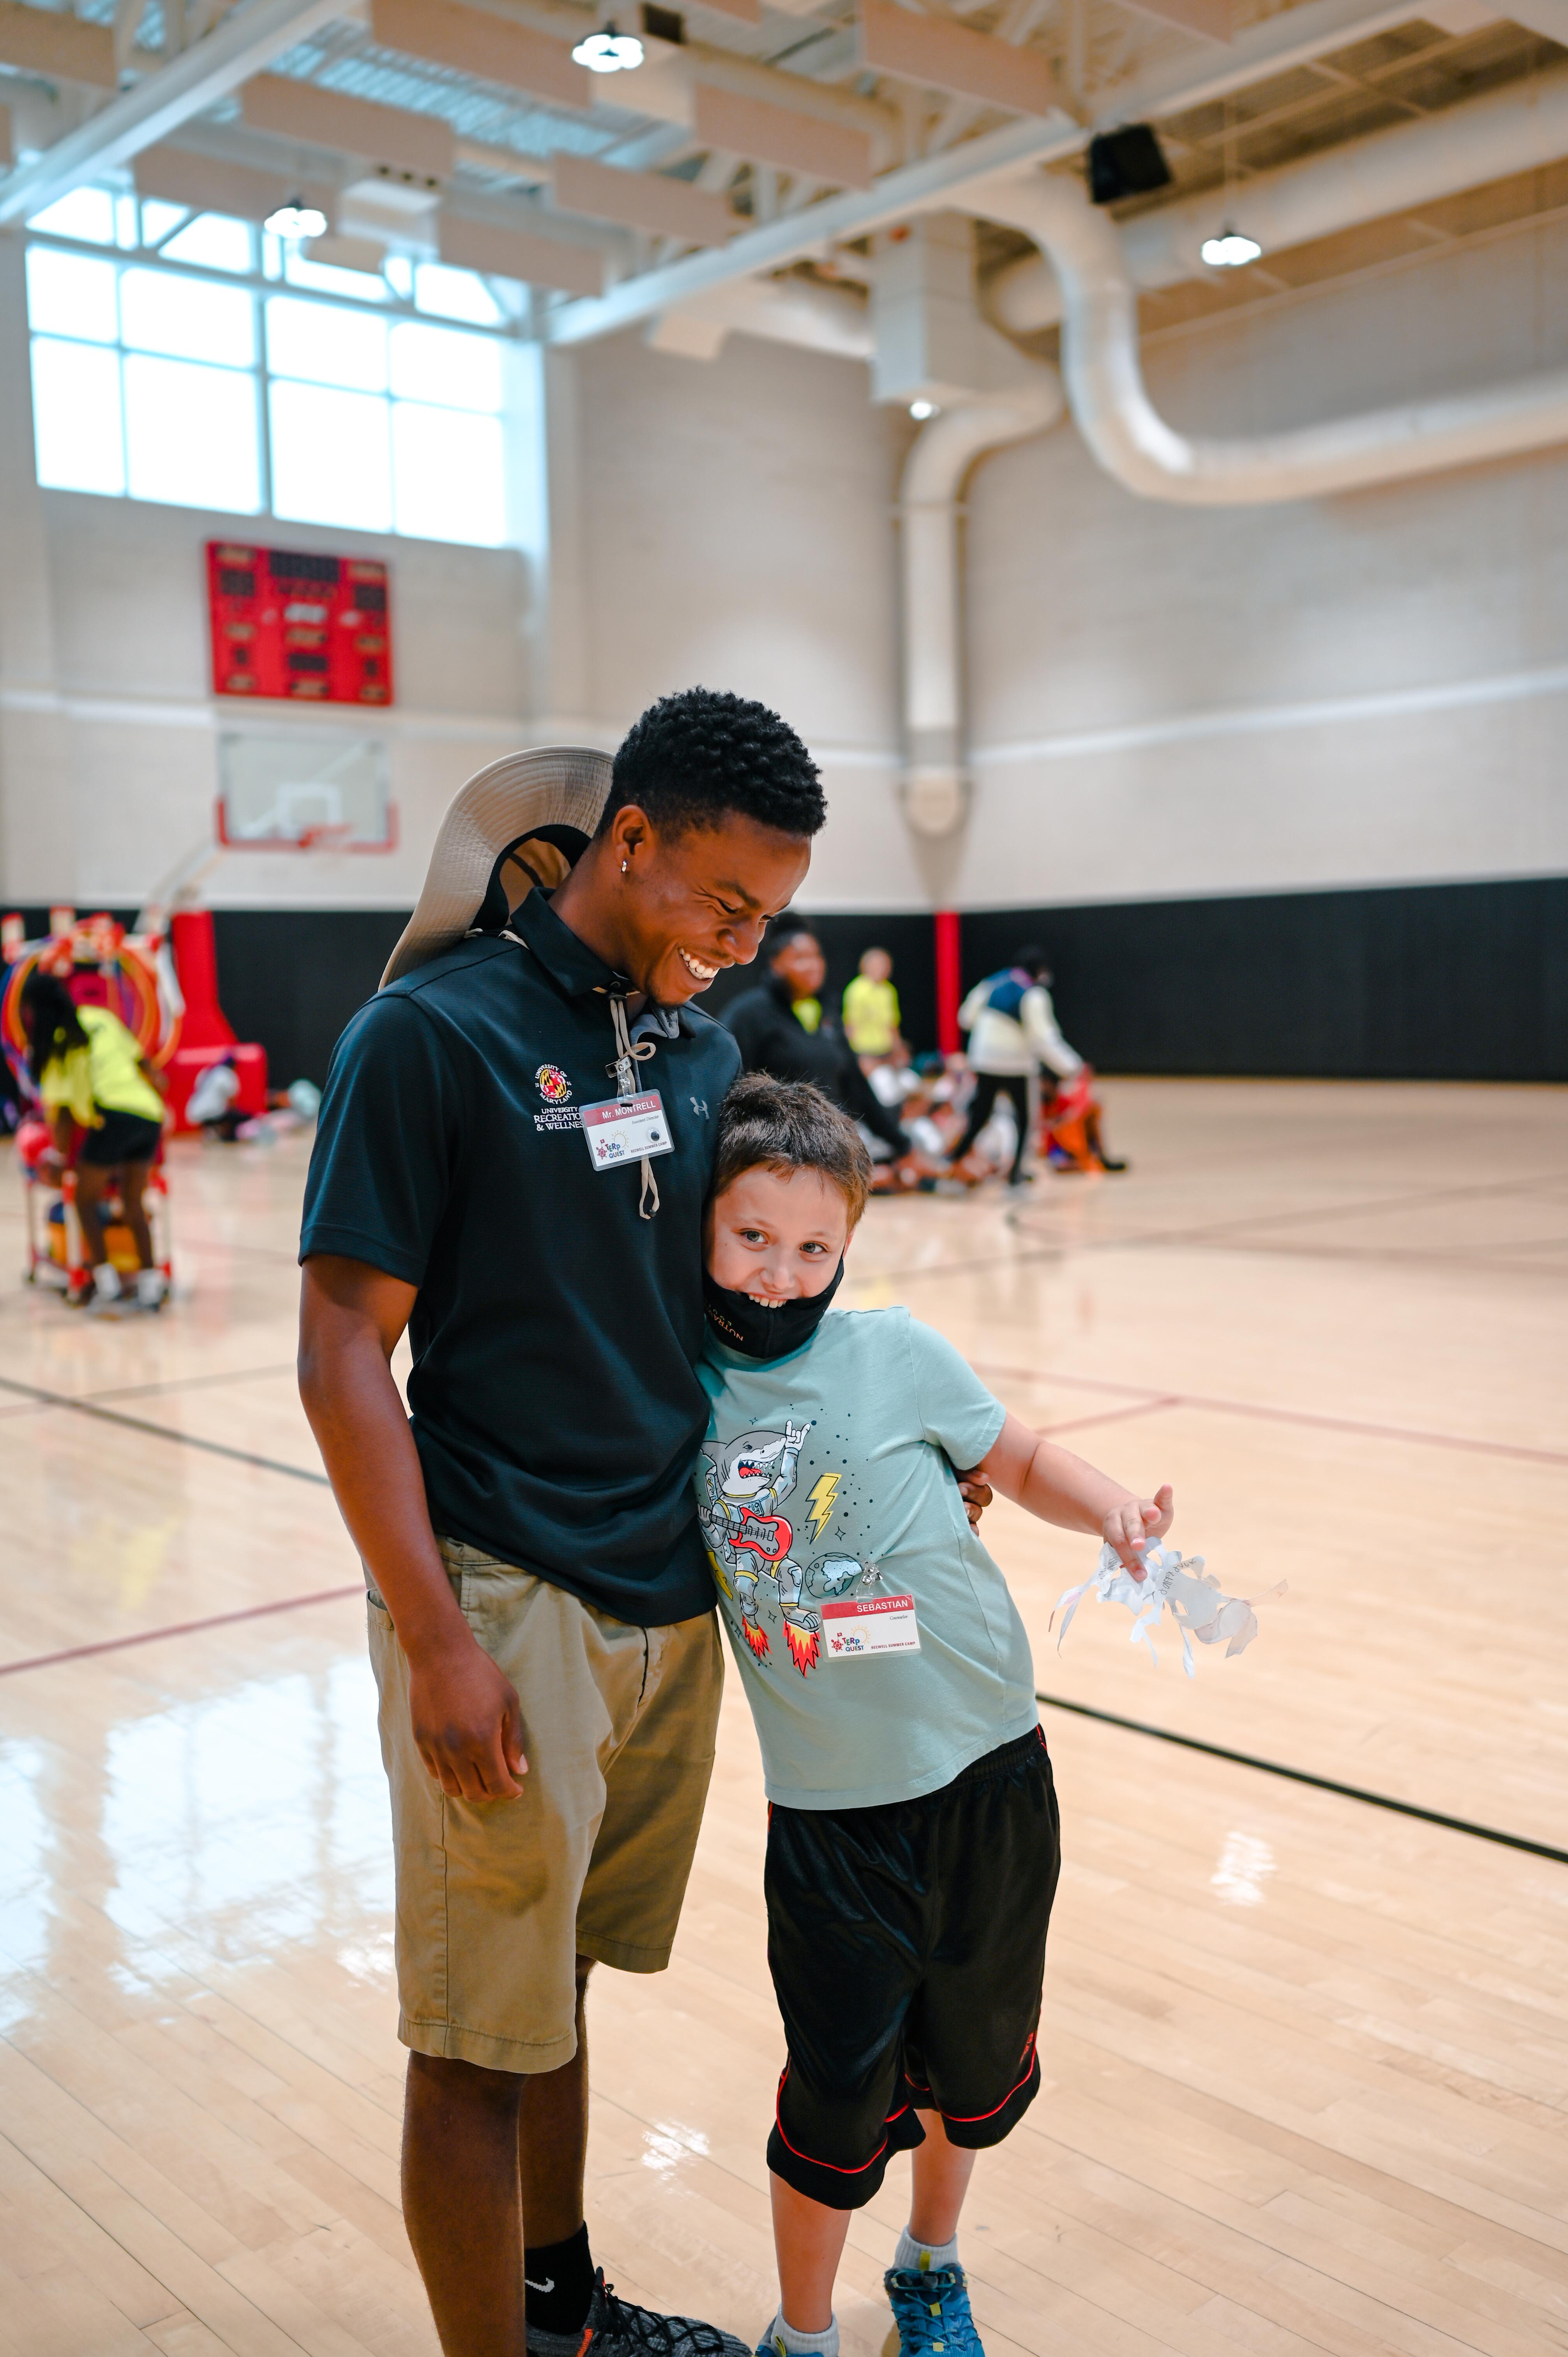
pixel 627 1129
pixel 870 1624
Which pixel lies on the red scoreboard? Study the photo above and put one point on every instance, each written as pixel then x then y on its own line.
pixel 316 629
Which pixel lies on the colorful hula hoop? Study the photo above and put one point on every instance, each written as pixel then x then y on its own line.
pixel 133 995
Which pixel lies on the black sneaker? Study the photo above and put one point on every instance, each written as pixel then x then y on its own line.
pixel 616 2329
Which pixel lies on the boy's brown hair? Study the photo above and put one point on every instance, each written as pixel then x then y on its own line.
pixel 786 1126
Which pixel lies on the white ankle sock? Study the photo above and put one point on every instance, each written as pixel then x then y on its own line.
pixel 793 2344
pixel 923 2256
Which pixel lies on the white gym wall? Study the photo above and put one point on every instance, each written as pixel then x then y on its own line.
pixel 1164 702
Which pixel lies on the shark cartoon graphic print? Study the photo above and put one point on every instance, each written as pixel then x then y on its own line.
pixel 744 1482
pixel 743 1485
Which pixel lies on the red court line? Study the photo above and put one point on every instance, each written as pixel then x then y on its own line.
pixel 1111 1416
pixel 180 1629
pixel 1019 1218
pixel 1279 1415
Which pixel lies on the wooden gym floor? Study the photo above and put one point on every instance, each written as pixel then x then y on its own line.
pixel 1306 2060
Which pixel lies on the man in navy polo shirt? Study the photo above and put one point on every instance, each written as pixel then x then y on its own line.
pixel 513 1152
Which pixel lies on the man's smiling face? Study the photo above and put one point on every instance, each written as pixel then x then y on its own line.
pixel 700 900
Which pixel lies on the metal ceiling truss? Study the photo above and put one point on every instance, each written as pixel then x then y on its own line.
pixel 770 141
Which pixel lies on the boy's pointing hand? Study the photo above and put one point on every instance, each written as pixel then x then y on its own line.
pixel 1129 1527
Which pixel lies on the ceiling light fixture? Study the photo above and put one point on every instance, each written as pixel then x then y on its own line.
pixel 607 51
pixel 922 409
pixel 1232 250
pixel 297 220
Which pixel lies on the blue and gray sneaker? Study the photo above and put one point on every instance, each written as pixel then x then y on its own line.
pixel 931 2311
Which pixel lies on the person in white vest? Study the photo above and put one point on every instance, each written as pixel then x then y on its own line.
pixel 1013 1031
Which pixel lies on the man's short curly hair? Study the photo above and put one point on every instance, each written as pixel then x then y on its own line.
pixel 696 757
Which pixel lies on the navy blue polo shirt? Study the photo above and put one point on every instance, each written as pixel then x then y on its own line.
pixel 553 1398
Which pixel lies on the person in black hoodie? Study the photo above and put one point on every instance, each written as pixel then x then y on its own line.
pixel 781 1029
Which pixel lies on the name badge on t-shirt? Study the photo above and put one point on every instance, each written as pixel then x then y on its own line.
pixel 627 1129
pixel 870 1624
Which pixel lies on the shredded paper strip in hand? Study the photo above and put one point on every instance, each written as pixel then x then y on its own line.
pixel 1193 1595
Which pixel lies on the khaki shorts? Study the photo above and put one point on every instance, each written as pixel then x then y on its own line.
pixel 497 1898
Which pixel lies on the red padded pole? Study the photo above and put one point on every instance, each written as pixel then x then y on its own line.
pixel 195 962
pixel 949 993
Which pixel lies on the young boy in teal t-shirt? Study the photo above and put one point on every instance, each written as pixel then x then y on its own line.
pixel 912 1840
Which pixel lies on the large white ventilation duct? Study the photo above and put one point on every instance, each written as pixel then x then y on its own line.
pixel 785 310
pixel 936 790
pixel 1110 406
pixel 1514 130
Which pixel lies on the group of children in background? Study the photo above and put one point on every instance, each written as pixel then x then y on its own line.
pixel 960 1109
pixel 98 1094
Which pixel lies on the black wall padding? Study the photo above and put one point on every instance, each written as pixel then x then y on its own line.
pixel 1414 982
pixel 1417 982
pixel 291 977
pixel 1420 982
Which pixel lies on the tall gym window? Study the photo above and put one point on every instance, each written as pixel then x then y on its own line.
pixel 230 383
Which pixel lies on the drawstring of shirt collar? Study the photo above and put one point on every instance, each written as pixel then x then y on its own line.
pixel 629 1055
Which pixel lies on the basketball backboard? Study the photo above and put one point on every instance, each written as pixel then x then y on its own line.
pixel 293 790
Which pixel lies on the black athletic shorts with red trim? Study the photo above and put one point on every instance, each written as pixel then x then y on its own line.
pixel 907 1949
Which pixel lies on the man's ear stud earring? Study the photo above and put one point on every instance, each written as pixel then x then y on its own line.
pixel 623 866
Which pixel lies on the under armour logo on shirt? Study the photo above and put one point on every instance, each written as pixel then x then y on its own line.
pixel 700 1104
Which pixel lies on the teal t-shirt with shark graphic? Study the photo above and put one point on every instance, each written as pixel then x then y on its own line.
pixel 825 1492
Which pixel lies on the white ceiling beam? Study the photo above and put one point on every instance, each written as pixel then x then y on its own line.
pixel 255 33
pixel 1295 37
pixel 1211 19
pixel 128 15
pixel 1521 126
pixel 794 236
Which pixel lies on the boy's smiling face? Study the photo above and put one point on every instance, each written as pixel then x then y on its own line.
pixel 775 1235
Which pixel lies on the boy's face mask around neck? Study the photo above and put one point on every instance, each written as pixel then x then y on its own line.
pixel 760 1333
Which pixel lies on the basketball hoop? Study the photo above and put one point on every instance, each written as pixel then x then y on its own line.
pixel 304 792
pixel 318 835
